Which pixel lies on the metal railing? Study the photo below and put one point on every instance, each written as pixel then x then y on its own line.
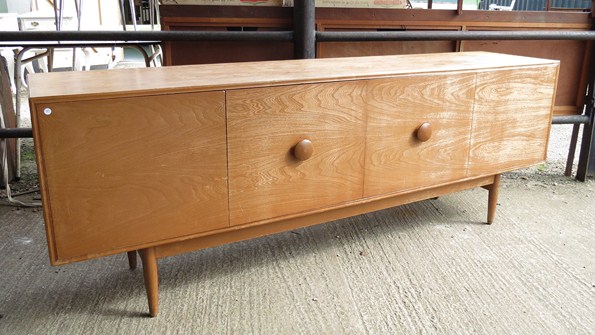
pixel 305 38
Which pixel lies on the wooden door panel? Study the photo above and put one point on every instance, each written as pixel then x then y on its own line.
pixel 264 124
pixel 512 118
pixel 571 91
pixel 128 171
pixel 396 160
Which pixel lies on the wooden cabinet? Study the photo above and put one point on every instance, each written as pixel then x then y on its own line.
pixel 169 160
pixel 122 173
pixel 266 179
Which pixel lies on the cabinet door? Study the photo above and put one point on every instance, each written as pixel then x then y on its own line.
pixel 396 159
pixel 119 173
pixel 266 180
pixel 512 118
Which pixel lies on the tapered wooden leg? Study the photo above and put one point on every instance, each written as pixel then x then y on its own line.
pixel 132 259
pixel 493 198
pixel 149 260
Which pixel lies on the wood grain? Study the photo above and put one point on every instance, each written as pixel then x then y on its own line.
pixel 184 52
pixel 70 86
pixel 151 277
pixel 511 119
pixel 126 172
pixel 572 59
pixel 359 49
pixel 248 231
pixel 395 159
pixel 265 179
pixel 170 173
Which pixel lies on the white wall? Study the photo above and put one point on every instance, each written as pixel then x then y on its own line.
pixel 18 6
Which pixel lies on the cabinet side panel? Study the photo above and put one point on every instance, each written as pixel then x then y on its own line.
pixel 511 120
pixel 125 172
pixel 265 178
pixel 49 232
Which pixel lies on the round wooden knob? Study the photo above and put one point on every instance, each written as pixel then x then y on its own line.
pixel 303 150
pixel 424 132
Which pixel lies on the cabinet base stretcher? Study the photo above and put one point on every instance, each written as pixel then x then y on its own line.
pixel 150 255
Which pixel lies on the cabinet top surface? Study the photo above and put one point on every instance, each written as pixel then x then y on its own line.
pixel 207 77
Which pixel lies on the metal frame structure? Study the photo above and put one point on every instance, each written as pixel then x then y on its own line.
pixel 304 36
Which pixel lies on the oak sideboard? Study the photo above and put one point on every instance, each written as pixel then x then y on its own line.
pixel 163 161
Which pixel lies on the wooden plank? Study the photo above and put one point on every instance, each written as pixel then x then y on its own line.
pixel 439 25
pixel 265 179
pixel 520 18
pixel 172 11
pixel 362 49
pixel 120 173
pixel 359 49
pixel 175 23
pixel 184 53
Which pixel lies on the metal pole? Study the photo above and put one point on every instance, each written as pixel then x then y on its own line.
pixel 27 132
pixel 305 42
pixel 133 13
pixel 151 13
pixel 304 29
pixel 591 162
pixel 123 14
pixel 78 4
pixel 370 36
pixel 571 119
pixel 572 150
pixel 586 160
pixel 21 38
pixel 16 132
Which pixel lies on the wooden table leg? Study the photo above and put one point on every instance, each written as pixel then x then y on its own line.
pixel 493 198
pixel 149 260
pixel 132 259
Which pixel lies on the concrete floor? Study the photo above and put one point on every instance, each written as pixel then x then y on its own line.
pixel 430 267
